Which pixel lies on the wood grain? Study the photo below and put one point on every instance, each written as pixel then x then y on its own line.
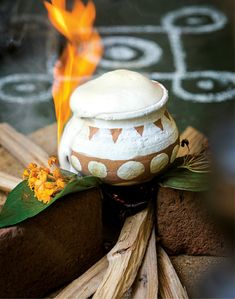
pixel 21 147
pixel 8 182
pixel 126 256
pixel 86 285
pixel 169 284
pixel 146 283
pixel 196 141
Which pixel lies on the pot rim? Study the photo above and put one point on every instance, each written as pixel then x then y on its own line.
pixel 136 113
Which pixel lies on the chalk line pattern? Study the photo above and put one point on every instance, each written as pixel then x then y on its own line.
pixel 123 50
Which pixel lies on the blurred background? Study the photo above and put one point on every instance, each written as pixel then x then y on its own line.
pixel 188 45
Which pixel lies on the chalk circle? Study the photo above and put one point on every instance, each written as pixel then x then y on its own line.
pixel 159 162
pixel 174 153
pixel 194 19
pixel 75 163
pixel 209 86
pixel 25 88
pixel 97 169
pixel 205 84
pixel 115 53
pixel 129 52
pixel 130 170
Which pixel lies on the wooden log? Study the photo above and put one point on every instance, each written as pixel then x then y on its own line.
pixel 21 147
pixel 126 256
pixel 146 283
pixel 8 182
pixel 196 141
pixel 169 284
pixel 86 285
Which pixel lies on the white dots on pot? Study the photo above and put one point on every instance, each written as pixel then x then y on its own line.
pixel 76 163
pixel 174 153
pixel 130 170
pixel 97 169
pixel 159 162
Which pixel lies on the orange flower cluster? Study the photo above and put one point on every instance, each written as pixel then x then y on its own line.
pixel 45 182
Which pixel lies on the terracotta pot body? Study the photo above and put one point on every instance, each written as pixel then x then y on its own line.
pixel 123 148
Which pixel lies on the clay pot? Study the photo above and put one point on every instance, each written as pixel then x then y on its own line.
pixel 120 130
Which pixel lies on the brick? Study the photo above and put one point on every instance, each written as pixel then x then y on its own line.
pixel 47 251
pixel 185 225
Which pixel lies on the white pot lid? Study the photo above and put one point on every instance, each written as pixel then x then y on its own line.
pixel 119 94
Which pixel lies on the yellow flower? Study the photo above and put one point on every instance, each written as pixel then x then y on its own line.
pixel 45 182
pixel 49 185
pixel 57 173
pixel 26 174
pixel 31 182
pixel 60 183
pixel 42 176
pixel 32 165
pixel 52 160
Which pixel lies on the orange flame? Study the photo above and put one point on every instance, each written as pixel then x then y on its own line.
pixel 80 56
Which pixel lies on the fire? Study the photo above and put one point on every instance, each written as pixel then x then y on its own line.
pixel 80 56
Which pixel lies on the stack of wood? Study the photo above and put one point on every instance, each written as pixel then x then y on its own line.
pixel 137 266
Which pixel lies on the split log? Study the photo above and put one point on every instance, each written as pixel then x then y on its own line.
pixel 196 141
pixel 146 283
pixel 86 285
pixel 8 182
pixel 169 283
pixel 126 256
pixel 21 147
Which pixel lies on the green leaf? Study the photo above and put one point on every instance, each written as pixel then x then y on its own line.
pixel 21 203
pixel 184 179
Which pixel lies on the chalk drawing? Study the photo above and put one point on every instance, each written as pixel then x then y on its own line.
pixel 122 50
pixel 25 88
pixel 121 46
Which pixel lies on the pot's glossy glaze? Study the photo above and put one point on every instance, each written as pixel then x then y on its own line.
pixel 122 149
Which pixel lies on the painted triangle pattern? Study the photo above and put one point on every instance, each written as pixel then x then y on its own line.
pixel 140 130
pixel 158 124
pixel 167 114
pixel 115 134
pixel 92 131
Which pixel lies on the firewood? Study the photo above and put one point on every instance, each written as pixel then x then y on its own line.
pixel 21 147
pixel 126 256
pixel 8 182
pixel 196 141
pixel 146 283
pixel 86 285
pixel 169 284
